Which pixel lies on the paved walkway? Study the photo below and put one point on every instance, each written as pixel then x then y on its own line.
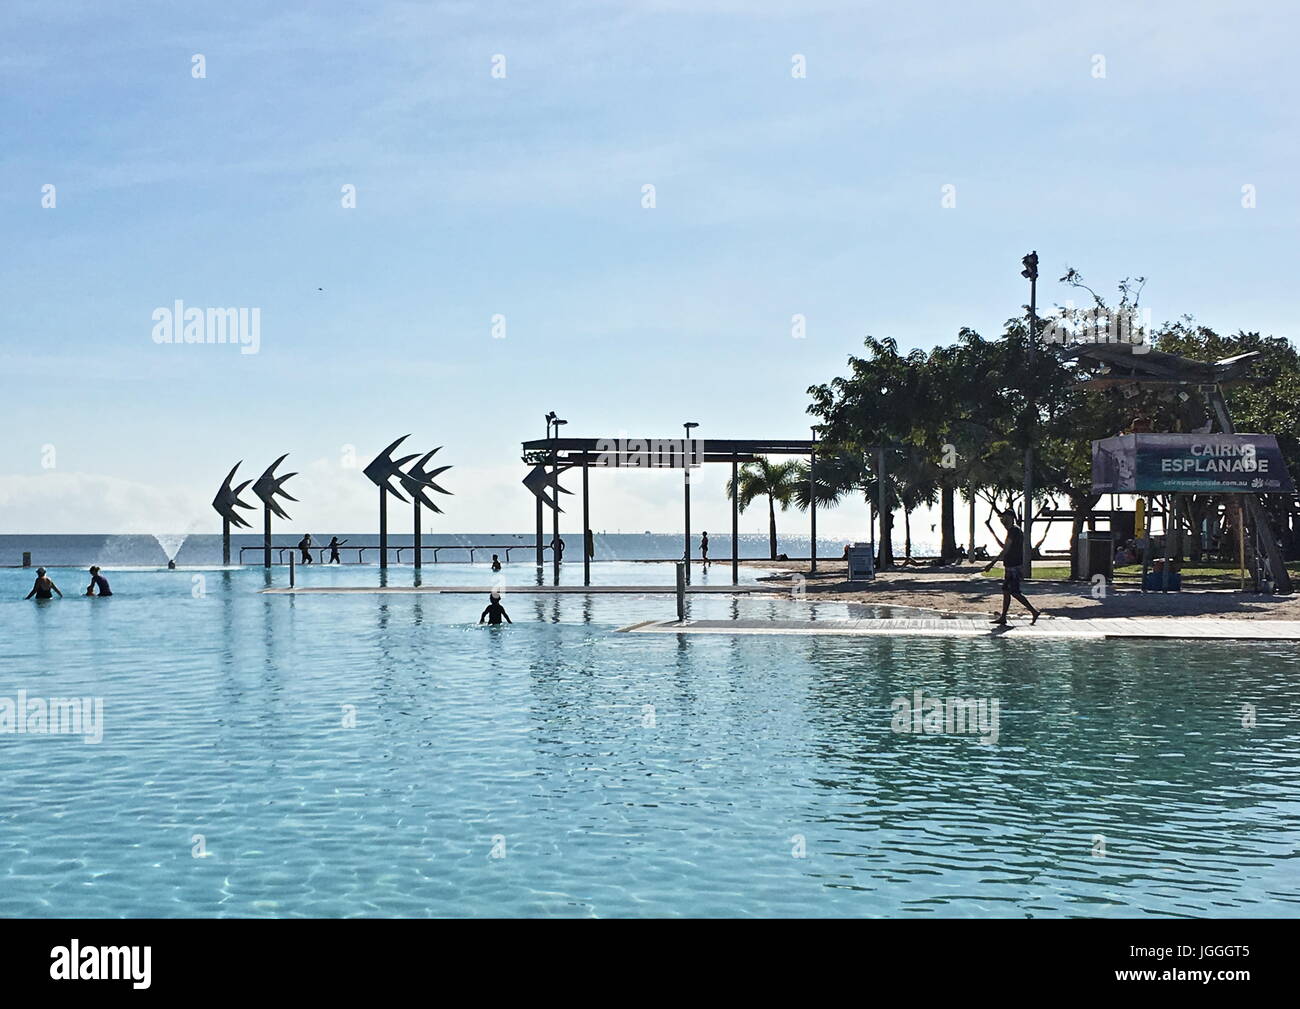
pixel 515 590
pixel 1109 627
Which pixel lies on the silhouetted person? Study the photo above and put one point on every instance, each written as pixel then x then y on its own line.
pixel 591 544
pixel 97 581
pixel 496 564
pixel 1012 558
pixel 304 545
pixel 494 611
pixel 43 586
pixel 557 546
pixel 334 545
pixel 171 564
pixel 704 548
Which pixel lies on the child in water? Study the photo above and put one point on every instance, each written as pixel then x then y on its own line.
pixel 496 564
pixel 494 611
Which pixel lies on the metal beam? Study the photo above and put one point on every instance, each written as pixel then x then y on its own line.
pixel 735 522
pixel 812 506
pixel 586 525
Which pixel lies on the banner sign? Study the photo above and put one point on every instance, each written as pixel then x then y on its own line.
pixel 1189 463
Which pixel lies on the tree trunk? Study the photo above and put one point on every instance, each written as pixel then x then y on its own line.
pixel 970 547
pixel 885 552
pixel 771 525
pixel 1196 511
pixel 947 525
pixel 907 534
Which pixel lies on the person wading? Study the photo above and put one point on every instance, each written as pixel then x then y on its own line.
pixel 43 586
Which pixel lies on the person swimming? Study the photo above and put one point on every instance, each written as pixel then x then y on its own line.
pixel 496 563
pixel 43 586
pixel 97 581
pixel 494 611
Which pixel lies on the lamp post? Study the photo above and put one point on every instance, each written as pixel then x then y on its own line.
pixel 540 560
pixel 686 473
pixel 1030 273
pixel 555 510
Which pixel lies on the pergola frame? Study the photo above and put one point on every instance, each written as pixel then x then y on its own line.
pixel 1126 364
pixel 561 454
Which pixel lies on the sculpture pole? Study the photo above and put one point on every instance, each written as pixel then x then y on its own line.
pixel 381 469
pixel 268 485
pixel 418 551
pixel 225 503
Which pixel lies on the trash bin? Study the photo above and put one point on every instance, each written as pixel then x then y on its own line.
pixel 1096 553
pixel 862 562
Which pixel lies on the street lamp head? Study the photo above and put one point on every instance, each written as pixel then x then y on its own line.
pixel 690 424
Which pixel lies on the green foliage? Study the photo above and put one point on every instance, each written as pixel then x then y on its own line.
pixel 962 415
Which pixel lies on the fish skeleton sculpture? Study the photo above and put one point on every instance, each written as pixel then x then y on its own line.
pixel 417 478
pixel 384 467
pixel 539 478
pixel 268 485
pixel 227 499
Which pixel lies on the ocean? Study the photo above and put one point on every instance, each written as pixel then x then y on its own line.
pixel 204 549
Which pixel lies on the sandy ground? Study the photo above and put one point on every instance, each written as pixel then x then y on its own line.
pixel 960 589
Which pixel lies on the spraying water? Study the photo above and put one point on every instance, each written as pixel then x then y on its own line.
pixel 170 543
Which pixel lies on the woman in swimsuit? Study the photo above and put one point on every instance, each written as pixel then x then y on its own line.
pixel 43 587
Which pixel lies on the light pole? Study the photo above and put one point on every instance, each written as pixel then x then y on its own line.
pixel 686 471
pixel 1030 273
pixel 555 511
pixel 540 561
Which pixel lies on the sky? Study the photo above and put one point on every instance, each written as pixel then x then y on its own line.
pixel 499 154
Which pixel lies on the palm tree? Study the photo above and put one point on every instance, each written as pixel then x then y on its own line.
pixel 779 481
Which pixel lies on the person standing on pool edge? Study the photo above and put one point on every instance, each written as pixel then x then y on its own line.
pixel 334 545
pixel 43 586
pixel 1012 558
pixel 494 611
pixel 704 549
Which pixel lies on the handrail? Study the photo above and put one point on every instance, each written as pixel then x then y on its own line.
pixel 361 549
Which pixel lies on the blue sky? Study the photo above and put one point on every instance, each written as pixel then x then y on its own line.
pixel 480 196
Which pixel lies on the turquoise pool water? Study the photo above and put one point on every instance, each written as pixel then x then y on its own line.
pixel 622 774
